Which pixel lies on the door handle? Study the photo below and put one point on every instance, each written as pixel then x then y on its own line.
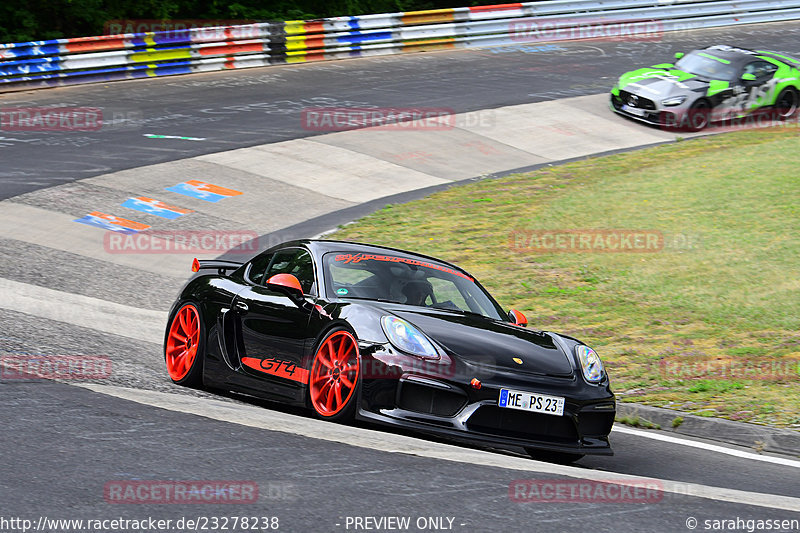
pixel 241 307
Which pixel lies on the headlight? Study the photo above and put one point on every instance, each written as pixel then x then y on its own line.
pixel 592 366
pixel 675 100
pixel 407 338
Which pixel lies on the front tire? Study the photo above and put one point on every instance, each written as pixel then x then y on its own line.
pixel 184 347
pixel 699 116
pixel 334 377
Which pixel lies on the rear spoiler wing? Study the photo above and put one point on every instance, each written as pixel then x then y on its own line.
pixel 221 265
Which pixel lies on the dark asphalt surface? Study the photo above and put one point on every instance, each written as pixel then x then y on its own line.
pixel 84 440
pixel 257 106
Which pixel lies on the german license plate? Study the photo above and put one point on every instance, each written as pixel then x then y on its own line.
pixel 529 401
pixel 633 110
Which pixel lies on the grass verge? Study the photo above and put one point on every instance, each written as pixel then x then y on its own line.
pixel 708 324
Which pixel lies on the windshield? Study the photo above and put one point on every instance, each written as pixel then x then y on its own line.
pixel 404 280
pixel 706 65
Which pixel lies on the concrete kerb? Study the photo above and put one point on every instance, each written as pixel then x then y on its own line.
pixel 759 438
pixel 327 223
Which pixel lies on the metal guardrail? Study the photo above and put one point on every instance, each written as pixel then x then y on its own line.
pixel 141 55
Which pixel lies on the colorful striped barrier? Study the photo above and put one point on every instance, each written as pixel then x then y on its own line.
pixel 142 55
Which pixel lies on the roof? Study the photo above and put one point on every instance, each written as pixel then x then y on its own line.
pixel 740 55
pixel 730 52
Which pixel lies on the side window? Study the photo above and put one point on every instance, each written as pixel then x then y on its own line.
pixel 258 267
pixel 760 69
pixel 297 262
pixel 447 294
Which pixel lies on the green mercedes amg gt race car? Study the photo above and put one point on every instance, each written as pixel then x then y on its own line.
pixel 714 84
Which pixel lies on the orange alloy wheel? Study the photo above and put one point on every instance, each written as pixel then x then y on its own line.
pixel 334 374
pixel 183 341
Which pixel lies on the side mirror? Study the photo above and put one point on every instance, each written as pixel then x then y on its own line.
pixel 518 318
pixel 678 55
pixel 748 77
pixel 288 284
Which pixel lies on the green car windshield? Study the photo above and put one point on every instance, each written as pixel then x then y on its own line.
pixel 406 280
pixel 705 65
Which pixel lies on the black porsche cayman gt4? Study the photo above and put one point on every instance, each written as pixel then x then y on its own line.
pixel 379 334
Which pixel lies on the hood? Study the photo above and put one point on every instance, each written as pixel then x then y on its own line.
pixel 487 342
pixel 661 82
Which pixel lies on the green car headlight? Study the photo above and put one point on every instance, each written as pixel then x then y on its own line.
pixel 592 366
pixel 675 100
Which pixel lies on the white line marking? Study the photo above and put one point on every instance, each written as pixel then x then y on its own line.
pixel 156 136
pixel 706 446
pixel 83 311
pixel 258 417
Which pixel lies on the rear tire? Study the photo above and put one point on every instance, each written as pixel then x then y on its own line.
pixel 562 458
pixel 333 380
pixel 184 347
pixel 786 104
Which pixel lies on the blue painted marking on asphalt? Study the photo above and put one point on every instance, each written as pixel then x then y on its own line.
pixel 146 207
pixel 98 222
pixel 188 190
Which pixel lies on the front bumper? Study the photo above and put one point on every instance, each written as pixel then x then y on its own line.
pixel 447 405
pixel 649 111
